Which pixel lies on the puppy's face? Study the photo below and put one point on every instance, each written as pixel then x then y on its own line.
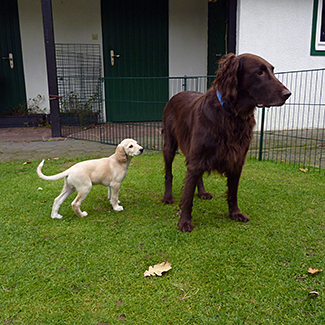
pixel 131 147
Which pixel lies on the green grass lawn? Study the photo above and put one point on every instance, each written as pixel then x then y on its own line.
pixel 90 270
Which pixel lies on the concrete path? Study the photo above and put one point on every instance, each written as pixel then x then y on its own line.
pixel 25 144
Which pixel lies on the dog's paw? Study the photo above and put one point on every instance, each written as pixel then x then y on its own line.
pixel 239 217
pixel 168 200
pixel 206 196
pixel 56 216
pixel 84 214
pixel 118 208
pixel 185 226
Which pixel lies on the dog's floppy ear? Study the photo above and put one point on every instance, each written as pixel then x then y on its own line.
pixel 120 154
pixel 226 81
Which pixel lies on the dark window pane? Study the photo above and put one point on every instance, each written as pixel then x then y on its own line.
pixel 322 31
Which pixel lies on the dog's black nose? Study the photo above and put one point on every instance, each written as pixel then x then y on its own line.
pixel 286 93
pixel 141 150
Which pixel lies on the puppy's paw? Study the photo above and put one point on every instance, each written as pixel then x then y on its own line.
pixel 118 208
pixel 84 214
pixel 56 216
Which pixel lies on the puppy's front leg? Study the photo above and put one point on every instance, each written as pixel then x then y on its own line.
pixel 109 194
pixel 114 189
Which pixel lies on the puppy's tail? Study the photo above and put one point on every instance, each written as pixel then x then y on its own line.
pixel 49 178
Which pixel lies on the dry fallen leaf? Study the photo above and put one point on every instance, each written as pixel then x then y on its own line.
pixel 39 189
pixel 158 269
pixel 304 170
pixel 313 293
pixel 27 162
pixel 313 271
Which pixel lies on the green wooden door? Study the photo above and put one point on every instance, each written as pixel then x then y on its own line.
pixel 137 32
pixel 217 34
pixel 12 81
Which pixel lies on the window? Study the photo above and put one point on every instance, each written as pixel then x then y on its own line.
pixel 318 30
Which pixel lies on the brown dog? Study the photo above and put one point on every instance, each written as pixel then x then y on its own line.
pixel 214 130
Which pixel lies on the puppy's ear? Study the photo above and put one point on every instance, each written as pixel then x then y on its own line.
pixel 226 81
pixel 120 154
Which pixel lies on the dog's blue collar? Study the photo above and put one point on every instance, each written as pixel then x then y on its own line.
pixel 219 96
pixel 226 107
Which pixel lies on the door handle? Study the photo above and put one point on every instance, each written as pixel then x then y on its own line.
pixel 11 60
pixel 113 56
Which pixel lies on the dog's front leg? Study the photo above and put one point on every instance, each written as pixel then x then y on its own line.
pixel 113 195
pixel 109 194
pixel 191 179
pixel 233 182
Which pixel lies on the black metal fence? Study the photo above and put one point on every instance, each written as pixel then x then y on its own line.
pixel 293 133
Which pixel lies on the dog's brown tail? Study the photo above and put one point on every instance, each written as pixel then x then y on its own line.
pixel 49 178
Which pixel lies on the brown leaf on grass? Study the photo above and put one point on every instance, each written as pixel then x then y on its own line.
pixel 27 162
pixel 305 170
pixel 313 271
pixel 158 269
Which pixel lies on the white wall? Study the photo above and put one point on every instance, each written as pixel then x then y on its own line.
pixel 279 31
pixel 32 39
pixel 77 21
pixel 188 34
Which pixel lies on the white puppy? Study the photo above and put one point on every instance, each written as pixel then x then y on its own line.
pixel 80 177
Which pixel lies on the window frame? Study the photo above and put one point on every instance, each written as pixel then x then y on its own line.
pixel 317 47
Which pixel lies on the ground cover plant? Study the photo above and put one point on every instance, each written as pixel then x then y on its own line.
pixel 90 270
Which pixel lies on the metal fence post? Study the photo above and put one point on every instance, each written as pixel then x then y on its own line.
pixel 260 151
pixel 185 83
